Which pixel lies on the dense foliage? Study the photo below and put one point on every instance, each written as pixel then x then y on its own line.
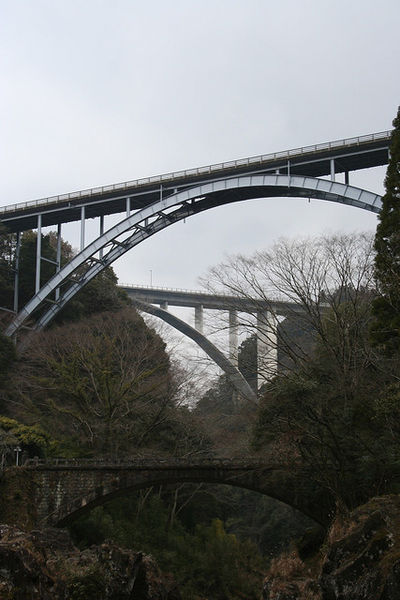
pixel 105 385
pixel 7 357
pixel 31 439
pixel 386 329
pixel 331 414
pixel 208 561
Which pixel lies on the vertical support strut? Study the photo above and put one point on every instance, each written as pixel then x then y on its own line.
pixel 164 305
pixel 58 257
pixel 198 318
pixel 16 272
pixel 267 351
pixel 38 252
pixel 128 207
pixel 82 227
pixel 332 161
pixel 101 233
pixel 233 337
pixel 346 177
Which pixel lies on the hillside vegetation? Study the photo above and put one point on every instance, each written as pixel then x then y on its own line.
pixel 99 383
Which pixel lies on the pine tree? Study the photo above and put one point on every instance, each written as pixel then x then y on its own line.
pixel 386 309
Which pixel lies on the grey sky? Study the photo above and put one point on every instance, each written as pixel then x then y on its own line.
pixel 95 92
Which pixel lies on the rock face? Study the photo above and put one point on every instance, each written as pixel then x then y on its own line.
pixel 359 560
pixel 45 565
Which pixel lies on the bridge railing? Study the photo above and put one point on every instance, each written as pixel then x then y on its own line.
pixel 159 179
pixel 161 288
pixel 145 463
pixel 236 301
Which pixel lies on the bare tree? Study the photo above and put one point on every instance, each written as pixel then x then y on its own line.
pixel 321 287
pixel 104 381
pixel 321 411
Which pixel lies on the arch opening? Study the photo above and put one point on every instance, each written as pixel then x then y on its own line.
pixel 69 512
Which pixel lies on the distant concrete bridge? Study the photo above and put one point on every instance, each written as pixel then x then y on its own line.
pixel 266 312
pixel 154 203
pixel 62 490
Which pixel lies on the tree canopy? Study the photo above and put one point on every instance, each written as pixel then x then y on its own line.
pixel 386 329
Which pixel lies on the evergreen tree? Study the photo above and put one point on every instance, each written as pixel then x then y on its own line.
pixel 386 330
pixel 7 357
pixel 7 273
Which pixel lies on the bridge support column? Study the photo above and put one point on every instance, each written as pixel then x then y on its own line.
pixel 233 337
pixel 267 350
pixel 58 257
pixel 16 273
pixel 332 169
pixel 164 305
pixel 38 253
pixel 198 318
pixel 101 233
pixel 82 227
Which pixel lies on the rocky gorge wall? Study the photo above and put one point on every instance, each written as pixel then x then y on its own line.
pixel 45 565
pixel 358 560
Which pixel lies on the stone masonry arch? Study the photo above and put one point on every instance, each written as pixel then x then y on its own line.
pixel 65 490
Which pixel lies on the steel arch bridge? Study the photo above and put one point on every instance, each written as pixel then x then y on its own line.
pixel 150 205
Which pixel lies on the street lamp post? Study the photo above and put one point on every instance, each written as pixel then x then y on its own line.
pixel 17 450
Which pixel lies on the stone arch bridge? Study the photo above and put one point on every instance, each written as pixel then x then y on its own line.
pixel 62 490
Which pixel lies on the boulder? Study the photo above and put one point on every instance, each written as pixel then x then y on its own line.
pixel 358 560
pixel 45 565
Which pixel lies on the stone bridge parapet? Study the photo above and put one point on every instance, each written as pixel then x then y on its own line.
pixel 64 489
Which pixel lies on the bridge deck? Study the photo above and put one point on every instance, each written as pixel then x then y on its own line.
pixel 349 155
pixel 191 299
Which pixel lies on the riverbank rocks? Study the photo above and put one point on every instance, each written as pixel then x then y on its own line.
pixel 45 565
pixel 358 560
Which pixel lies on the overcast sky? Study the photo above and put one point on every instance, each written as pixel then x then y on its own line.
pixel 96 92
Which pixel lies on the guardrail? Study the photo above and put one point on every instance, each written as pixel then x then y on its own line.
pixel 144 463
pixel 163 289
pixel 206 170
pixel 271 300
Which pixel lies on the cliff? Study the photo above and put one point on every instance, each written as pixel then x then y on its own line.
pixel 359 559
pixel 45 565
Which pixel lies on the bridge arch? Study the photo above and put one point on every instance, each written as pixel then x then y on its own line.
pixel 63 493
pixel 77 507
pixel 143 224
pixel 234 375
